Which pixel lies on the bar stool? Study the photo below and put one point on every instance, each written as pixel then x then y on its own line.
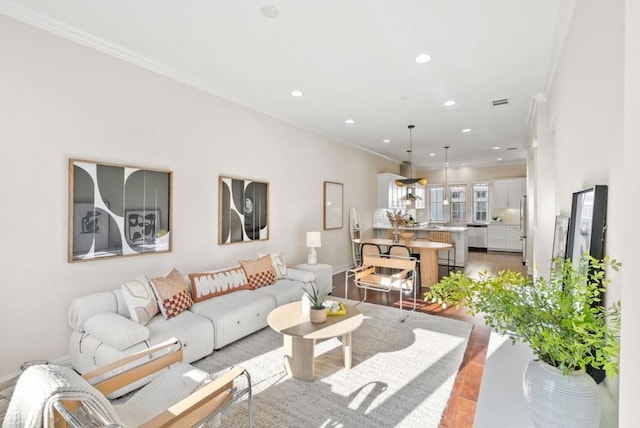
pixel 445 237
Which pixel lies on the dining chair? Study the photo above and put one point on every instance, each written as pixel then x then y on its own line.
pixel 368 249
pixel 400 250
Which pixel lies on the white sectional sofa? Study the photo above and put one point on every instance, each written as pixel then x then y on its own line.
pixel 224 311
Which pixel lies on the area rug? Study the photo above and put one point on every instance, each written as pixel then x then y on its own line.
pixel 402 374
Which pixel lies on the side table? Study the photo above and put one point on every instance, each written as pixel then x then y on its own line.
pixel 324 275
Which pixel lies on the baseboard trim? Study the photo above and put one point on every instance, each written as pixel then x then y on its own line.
pixel 60 361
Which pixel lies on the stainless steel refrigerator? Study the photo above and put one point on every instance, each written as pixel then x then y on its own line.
pixel 523 228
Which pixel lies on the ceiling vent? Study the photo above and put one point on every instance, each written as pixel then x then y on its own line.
pixel 504 102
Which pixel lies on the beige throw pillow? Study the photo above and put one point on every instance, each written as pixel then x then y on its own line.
pixel 278 263
pixel 139 297
pixel 259 272
pixel 172 294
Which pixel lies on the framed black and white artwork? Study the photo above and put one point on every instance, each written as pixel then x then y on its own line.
pixel 243 210
pixel 117 210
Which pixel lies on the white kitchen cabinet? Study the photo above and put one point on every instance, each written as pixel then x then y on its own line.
pixel 513 241
pixel 496 237
pixel 508 193
pixel 504 237
pixel 390 195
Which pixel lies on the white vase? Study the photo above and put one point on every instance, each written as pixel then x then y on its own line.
pixel 557 400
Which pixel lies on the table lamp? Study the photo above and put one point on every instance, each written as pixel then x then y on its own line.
pixel 313 241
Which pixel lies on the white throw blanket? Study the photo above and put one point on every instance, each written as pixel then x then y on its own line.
pixel 42 385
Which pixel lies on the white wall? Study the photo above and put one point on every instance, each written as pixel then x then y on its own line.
pixel 60 100
pixel 581 143
pixel 630 342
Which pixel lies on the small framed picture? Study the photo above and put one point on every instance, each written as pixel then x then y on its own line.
pixel 332 205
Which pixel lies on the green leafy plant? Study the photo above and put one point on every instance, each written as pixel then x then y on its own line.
pixel 562 319
pixel 316 296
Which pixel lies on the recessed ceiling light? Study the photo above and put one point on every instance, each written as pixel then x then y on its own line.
pixel 422 58
pixel 449 103
pixel 349 121
pixel 495 148
pixel 296 93
pixel 386 141
pixel 499 159
pixel 465 130
pixel 269 11
pixel 432 154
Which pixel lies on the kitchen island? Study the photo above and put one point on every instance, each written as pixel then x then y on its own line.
pixel 458 234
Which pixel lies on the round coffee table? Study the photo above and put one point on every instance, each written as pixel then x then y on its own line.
pixel 300 335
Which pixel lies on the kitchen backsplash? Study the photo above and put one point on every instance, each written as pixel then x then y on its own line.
pixel 511 216
pixel 380 216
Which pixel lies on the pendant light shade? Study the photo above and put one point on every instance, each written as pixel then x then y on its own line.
pixel 446 168
pixel 410 181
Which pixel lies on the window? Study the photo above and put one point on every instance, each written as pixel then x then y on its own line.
pixel 457 201
pixel 436 209
pixel 480 201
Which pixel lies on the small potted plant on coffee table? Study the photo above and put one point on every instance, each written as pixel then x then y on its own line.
pixel 318 312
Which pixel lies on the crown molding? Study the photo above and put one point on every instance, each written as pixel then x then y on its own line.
pixel 37 20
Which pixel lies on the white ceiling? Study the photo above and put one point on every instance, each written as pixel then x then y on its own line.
pixel 352 59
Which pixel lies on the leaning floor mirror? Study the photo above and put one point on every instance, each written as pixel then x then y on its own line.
pixel 117 210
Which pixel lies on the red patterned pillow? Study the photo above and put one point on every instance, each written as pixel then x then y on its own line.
pixel 172 294
pixel 259 272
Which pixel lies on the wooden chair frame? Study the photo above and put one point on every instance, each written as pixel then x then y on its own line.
pixel 385 273
pixel 196 409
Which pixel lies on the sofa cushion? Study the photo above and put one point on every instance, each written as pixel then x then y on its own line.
pixel 283 291
pixel 140 299
pixel 235 315
pixel 215 283
pixel 278 263
pixel 172 294
pixel 115 330
pixel 194 331
pixel 259 272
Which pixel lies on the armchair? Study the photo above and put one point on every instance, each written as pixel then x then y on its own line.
pixel 51 396
pixel 385 273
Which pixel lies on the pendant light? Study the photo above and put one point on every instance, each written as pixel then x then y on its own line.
pixel 410 181
pixel 410 198
pixel 446 168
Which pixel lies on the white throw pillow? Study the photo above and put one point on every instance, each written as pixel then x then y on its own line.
pixel 140 299
pixel 115 330
pixel 278 263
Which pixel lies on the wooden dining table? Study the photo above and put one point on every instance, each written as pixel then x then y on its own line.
pixel 428 255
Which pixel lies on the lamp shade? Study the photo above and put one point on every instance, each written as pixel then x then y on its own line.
pixel 314 240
